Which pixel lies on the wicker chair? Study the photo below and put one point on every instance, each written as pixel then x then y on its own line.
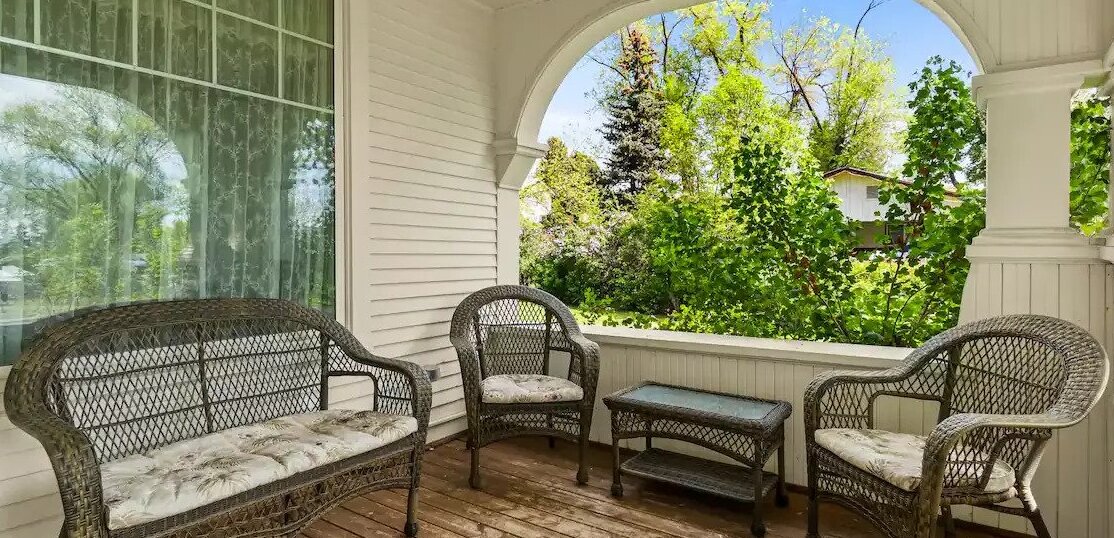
pixel 1003 385
pixel 225 399
pixel 504 338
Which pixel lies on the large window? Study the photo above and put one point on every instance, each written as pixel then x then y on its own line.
pixel 160 149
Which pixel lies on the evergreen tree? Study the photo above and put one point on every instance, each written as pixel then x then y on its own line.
pixel 633 126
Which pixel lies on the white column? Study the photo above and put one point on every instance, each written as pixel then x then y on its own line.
pixel 1029 260
pixel 513 162
pixel 1029 164
pixel 1109 89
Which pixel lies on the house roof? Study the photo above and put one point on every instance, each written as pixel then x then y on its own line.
pixel 950 191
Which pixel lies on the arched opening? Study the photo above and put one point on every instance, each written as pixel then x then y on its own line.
pixel 780 150
pixel 558 61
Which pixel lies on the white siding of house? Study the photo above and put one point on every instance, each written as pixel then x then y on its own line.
pixel 853 202
pixel 422 193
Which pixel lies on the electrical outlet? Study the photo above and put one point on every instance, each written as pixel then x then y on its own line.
pixel 434 372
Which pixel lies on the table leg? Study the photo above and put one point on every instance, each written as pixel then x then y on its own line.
pixel 757 525
pixel 781 498
pixel 649 428
pixel 616 475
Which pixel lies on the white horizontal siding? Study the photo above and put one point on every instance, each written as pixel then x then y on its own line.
pixel 424 197
pixel 428 232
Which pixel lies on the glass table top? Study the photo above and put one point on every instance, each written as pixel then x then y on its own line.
pixel 739 407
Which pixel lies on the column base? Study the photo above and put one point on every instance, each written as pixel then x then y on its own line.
pixel 1034 245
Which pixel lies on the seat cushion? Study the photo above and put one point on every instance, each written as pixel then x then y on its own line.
pixel 195 472
pixel 896 457
pixel 529 388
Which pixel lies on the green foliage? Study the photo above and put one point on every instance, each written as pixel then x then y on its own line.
pixel 1090 163
pixel 738 232
pixel 938 212
pixel 562 253
pixel 678 248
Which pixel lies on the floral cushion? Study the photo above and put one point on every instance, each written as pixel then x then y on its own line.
pixel 195 472
pixel 896 457
pixel 529 388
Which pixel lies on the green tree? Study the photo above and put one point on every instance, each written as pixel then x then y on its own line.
pixel 841 82
pixel 794 225
pixel 561 252
pixel 924 268
pixel 633 126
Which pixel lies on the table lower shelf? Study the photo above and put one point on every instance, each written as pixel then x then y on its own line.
pixel 731 481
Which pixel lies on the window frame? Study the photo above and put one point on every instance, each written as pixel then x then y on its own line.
pixel 343 47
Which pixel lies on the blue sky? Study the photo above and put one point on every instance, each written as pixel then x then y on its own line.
pixel 911 33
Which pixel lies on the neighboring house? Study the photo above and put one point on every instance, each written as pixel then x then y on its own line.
pixel 858 194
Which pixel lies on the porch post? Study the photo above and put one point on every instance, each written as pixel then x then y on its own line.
pixel 513 162
pixel 1029 260
pixel 1028 249
pixel 1108 343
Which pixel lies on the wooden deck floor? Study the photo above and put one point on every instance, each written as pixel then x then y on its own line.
pixel 530 492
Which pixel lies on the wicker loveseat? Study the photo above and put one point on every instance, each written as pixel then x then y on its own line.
pixel 210 418
pixel 1003 385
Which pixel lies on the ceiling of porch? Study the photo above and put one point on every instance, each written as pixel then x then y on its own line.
pixel 501 4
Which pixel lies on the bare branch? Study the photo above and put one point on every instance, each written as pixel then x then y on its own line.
pixel 612 67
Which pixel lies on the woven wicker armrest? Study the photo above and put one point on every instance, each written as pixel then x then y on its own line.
pixel 402 388
pixel 962 449
pixel 843 399
pixel 588 353
pixel 69 449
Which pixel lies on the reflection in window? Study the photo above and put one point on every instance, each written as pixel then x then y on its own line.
pixel 165 180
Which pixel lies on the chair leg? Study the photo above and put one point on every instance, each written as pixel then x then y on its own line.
pixel 411 528
pixel 813 514
pixel 949 521
pixel 474 478
pixel 1037 520
pixel 582 472
pixel 813 500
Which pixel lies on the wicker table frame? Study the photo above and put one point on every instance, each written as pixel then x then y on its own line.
pixel 749 442
pixel 144 344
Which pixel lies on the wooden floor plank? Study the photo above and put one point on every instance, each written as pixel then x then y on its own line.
pixel 509 488
pixel 429 514
pixel 495 519
pixel 359 525
pixel 530 491
pixel 395 519
pixel 527 513
pixel 324 529
pixel 647 509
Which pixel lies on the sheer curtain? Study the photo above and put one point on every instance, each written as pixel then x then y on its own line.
pixel 183 149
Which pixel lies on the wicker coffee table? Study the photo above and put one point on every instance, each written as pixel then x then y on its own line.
pixel 745 429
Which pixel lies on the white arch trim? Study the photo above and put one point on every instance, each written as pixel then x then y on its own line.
pixel 597 24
